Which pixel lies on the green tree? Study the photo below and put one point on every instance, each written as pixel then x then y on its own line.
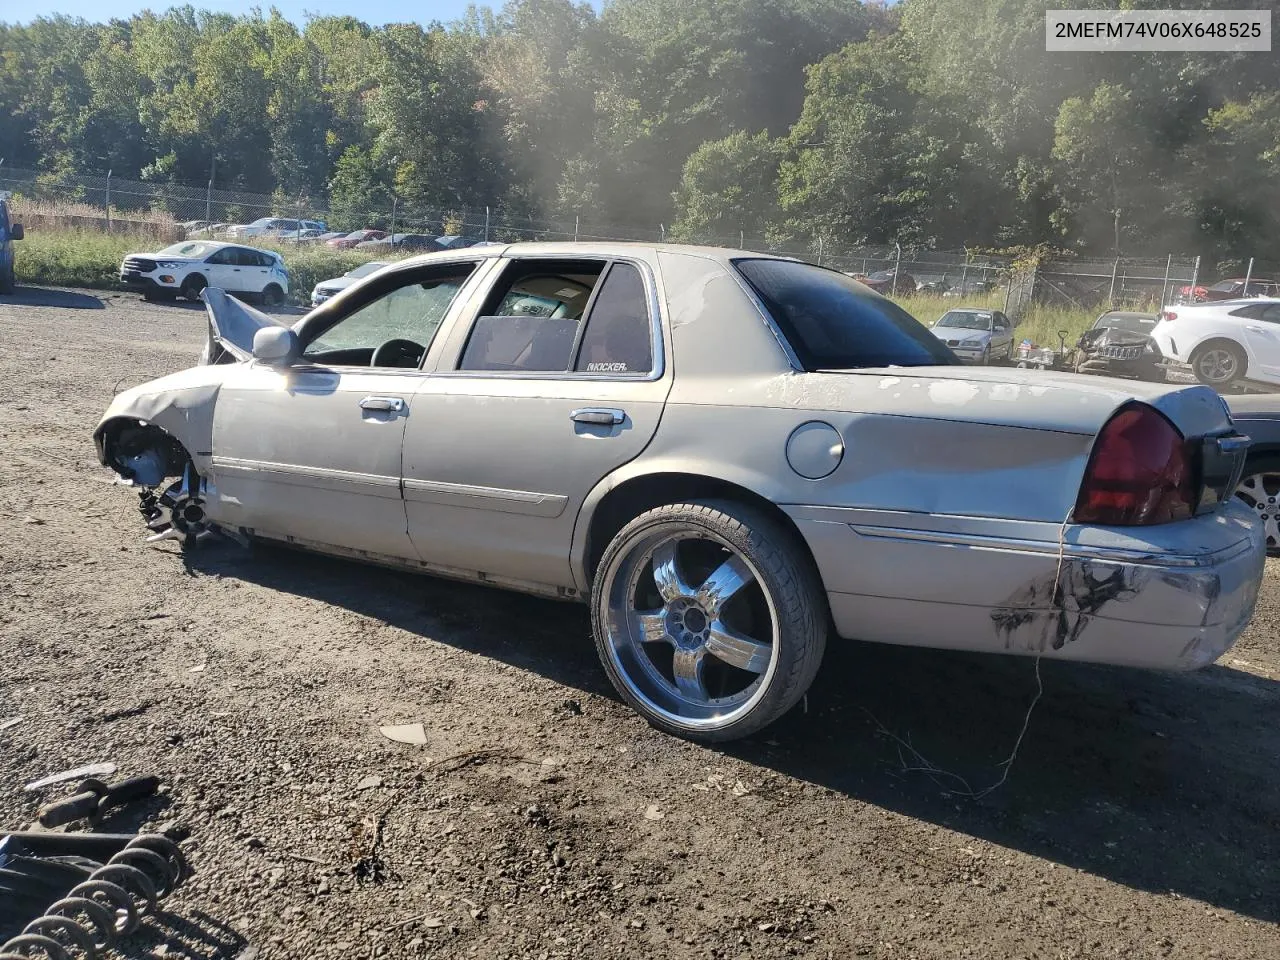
pixel 729 188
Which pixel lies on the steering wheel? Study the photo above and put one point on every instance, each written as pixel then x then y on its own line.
pixel 398 353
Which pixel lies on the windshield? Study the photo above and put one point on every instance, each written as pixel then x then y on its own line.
pixel 965 320
pixel 365 269
pixel 834 323
pixel 187 250
pixel 1133 324
pixel 1226 286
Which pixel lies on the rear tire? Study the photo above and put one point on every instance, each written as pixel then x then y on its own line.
pixel 1219 363
pixel 273 296
pixel 709 618
pixel 8 283
pixel 192 287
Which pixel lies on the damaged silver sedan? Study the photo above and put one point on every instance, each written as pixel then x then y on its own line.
pixel 728 456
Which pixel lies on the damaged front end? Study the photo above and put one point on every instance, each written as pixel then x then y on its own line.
pixel 145 457
pixel 158 436
pixel 1113 352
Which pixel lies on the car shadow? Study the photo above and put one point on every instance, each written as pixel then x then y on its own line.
pixel 1168 783
pixel 47 297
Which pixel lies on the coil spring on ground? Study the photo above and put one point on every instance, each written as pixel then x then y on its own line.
pixel 108 904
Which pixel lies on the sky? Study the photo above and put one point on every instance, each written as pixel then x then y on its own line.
pixel 375 12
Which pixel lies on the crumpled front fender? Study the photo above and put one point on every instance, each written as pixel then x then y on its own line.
pixel 180 404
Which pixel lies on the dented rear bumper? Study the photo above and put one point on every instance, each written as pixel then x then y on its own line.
pixel 1173 596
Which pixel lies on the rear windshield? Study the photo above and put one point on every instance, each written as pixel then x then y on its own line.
pixel 834 323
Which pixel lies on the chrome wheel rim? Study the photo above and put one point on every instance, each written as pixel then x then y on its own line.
pixel 692 632
pixel 1261 493
pixel 1217 365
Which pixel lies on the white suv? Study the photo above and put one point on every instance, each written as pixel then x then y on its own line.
pixel 1224 341
pixel 186 268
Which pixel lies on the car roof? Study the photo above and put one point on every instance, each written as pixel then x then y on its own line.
pixel 222 244
pixel 1136 314
pixel 610 248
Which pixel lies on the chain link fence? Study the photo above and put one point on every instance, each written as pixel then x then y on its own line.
pixel 172 211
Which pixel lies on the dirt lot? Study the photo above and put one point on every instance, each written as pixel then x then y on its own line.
pixel 542 818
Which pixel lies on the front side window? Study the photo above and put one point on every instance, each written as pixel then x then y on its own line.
pixel 834 323
pixel 558 316
pixel 408 314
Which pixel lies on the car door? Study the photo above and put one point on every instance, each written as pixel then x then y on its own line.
pixel 1262 332
pixel 557 378
pixel 312 452
pixel 255 269
pixel 221 268
pixel 1002 334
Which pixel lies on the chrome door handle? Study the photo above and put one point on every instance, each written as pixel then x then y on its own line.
pixel 388 404
pixel 1254 329
pixel 601 415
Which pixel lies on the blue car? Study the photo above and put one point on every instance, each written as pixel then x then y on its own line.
pixel 9 232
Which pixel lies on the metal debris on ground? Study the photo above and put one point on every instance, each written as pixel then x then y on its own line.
pixel 95 798
pixel 79 893
pixel 11 722
pixel 104 769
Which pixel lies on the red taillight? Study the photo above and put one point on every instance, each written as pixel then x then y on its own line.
pixel 1140 472
pixel 1168 315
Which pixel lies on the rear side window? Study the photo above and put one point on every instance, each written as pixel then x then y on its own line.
pixel 618 338
pixel 550 316
pixel 833 323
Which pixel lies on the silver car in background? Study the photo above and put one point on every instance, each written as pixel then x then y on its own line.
pixel 976 335
pixel 727 455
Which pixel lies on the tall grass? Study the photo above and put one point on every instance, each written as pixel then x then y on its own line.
pixel 90 258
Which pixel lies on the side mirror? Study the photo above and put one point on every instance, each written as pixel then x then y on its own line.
pixel 16 231
pixel 276 346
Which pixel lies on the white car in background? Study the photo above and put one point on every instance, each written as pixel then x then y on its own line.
pixel 329 288
pixel 1224 341
pixel 186 268
pixel 276 228
pixel 976 336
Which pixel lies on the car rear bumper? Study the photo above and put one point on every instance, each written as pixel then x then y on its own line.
pixel 1168 344
pixel 1174 596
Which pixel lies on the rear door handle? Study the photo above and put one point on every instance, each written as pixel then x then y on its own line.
pixel 387 404
pixel 1254 329
pixel 606 416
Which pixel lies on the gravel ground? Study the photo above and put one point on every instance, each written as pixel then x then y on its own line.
pixel 542 818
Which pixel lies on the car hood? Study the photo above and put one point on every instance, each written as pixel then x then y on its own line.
pixel 1003 396
pixel 337 283
pixel 232 325
pixel 960 333
pixel 165 258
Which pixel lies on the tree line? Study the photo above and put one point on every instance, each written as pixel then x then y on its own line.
pixel 930 123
